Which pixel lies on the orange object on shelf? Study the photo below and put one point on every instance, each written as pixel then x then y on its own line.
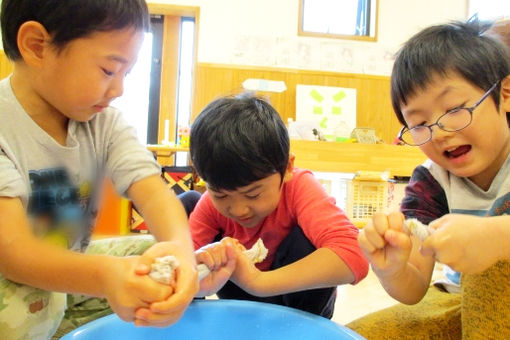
pixel 114 213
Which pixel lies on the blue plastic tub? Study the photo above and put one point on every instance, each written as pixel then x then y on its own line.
pixel 222 319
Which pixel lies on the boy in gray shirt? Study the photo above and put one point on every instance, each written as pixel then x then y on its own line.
pixel 58 140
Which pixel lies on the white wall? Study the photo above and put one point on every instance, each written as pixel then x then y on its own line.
pixel 264 33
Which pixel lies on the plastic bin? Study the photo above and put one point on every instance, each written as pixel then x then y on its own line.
pixel 367 193
pixel 222 319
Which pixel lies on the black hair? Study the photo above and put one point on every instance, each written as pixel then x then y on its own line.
pixel 66 20
pixel 454 48
pixel 237 140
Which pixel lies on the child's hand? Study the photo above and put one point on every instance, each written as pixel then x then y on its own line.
pixel 220 259
pixel 168 310
pixel 126 291
pixel 247 275
pixel 385 244
pixel 466 243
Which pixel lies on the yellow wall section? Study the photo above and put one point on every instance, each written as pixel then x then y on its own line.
pixel 5 65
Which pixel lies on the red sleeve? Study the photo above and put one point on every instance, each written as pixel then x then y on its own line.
pixel 325 224
pixel 203 222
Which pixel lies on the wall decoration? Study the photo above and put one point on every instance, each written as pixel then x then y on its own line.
pixel 333 109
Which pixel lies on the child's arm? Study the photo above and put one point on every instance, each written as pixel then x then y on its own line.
pixel 167 221
pixel 28 260
pixel 395 258
pixel 320 269
pixel 469 244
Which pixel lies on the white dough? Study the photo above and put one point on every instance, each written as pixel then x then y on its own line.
pixel 258 252
pixel 162 270
pixel 416 228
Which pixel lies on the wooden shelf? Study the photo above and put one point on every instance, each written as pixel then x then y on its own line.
pixel 166 149
pixel 352 157
pixel 165 153
pixel 340 157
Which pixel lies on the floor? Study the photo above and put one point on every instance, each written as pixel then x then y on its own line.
pixel 355 301
pixel 366 297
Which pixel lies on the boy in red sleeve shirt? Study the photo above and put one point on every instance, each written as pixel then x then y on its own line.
pixel 240 147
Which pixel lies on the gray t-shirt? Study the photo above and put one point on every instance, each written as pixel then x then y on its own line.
pixel 57 184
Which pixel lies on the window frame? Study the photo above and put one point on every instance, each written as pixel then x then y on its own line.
pixel 368 38
pixel 172 15
pixel 157 22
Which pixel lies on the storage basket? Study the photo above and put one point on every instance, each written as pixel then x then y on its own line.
pixel 365 196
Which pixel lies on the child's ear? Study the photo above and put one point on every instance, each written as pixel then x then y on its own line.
pixel 505 94
pixel 290 168
pixel 32 40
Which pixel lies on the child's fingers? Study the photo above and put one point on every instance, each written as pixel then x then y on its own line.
pixel 147 318
pixel 365 244
pixel 430 245
pixel 216 255
pixel 374 231
pixel 397 239
pixel 231 255
pixel 143 267
pixel 374 238
pixel 395 221
pixel 438 223
pixel 380 222
pixel 152 290
pixel 186 288
pixel 234 243
pixel 219 256
pixel 203 256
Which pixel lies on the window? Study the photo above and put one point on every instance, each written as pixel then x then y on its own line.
pixel 346 19
pixel 139 103
pixel 185 80
pixel 489 9
pixel 134 102
pixel 158 91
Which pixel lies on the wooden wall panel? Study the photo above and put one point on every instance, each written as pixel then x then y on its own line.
pixel 373 92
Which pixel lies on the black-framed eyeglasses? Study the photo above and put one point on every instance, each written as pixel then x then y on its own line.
pixel 451 121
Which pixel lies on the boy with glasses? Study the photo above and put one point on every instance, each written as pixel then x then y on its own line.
pixel 450 88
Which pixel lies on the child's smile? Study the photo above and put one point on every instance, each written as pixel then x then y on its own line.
pixel 457 152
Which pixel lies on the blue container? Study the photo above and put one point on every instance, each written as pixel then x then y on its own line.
pixel 222 319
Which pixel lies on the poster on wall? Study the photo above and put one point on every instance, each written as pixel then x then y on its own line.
pixel 330 109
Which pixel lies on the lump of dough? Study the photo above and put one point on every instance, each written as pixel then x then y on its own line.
pixel 258 252
pixel 162 270
pixel 416 228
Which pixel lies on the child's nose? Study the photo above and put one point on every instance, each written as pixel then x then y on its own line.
pixel 438 133
pixel 238 209
pixel 116 88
